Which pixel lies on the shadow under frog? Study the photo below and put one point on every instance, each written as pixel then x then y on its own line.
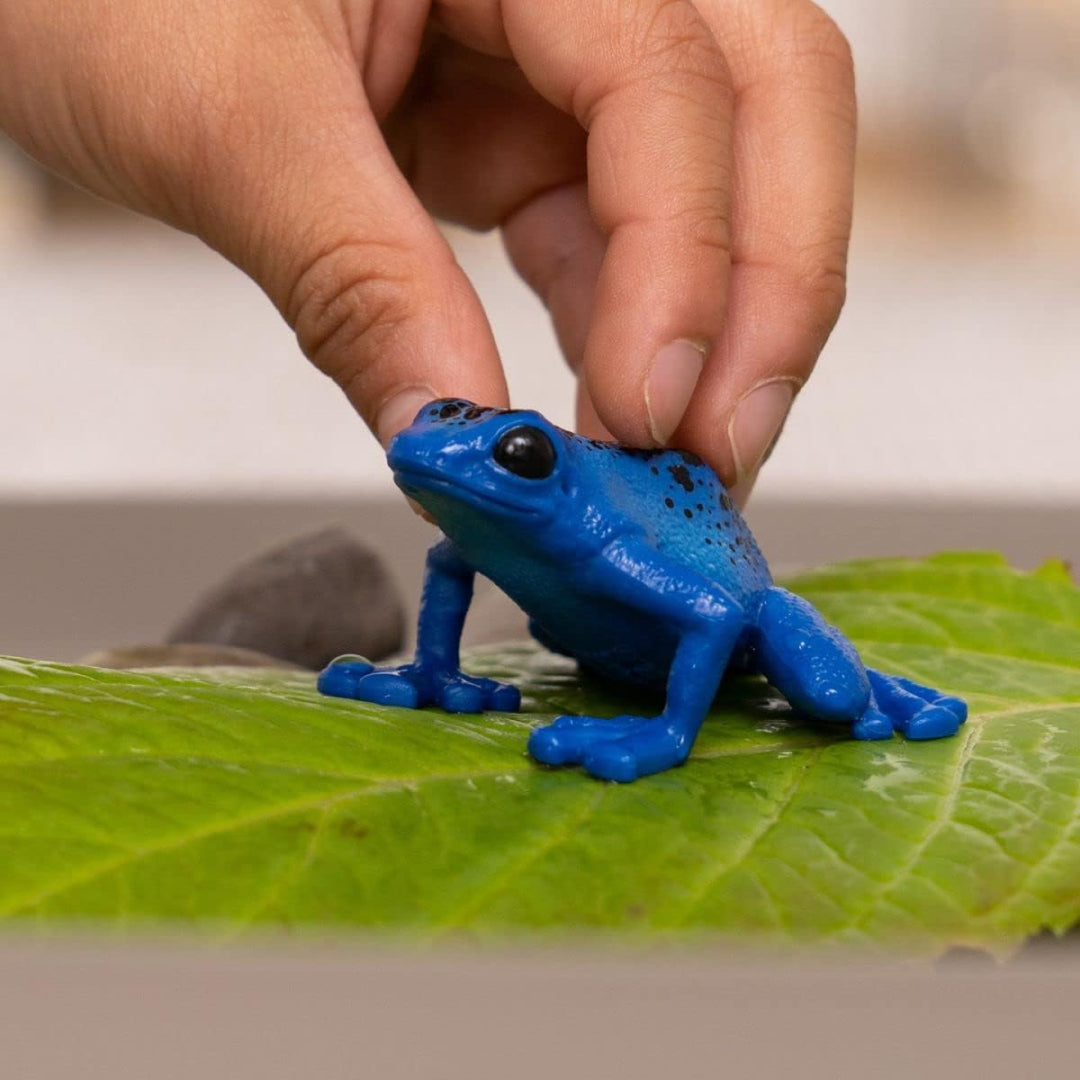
pixel 635 563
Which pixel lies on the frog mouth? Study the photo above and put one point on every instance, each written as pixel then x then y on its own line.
pixel 415 482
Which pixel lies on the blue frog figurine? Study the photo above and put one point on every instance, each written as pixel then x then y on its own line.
pixel 637 564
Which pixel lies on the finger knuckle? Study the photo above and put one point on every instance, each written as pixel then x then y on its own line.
pixel 793 38
pixel 829 289
pixel 704 223
pixel 350 296
pixel 661 49
pixel 822 279
pixel 669 36
pixel 814 35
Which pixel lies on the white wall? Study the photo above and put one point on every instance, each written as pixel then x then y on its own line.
pixel 137 362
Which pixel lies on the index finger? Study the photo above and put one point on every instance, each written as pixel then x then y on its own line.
pixel 649 83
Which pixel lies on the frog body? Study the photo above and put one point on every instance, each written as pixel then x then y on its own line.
pixel 637 564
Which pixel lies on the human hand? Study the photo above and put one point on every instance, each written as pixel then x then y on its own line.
pixel 691 247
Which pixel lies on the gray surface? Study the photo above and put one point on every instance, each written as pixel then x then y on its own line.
pixel 155 1013
pixel 77 577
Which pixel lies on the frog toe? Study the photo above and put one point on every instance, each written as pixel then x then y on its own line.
pixel 936 721
pixel 612 761
pixel 651 748
pixel 957 706
pixel 500 697
pixel 394 688
pixel 466 694
pixel 341 677
pixel 552 746
pixel 569 739
pixel 872 725
pixel 461 696
pixel 917 711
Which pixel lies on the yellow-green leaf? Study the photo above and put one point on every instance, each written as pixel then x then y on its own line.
pixel 239 801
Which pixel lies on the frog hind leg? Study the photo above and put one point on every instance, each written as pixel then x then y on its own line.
pixel 818 670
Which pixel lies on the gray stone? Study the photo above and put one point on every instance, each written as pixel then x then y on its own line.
pixel 132 657
pixel 306 602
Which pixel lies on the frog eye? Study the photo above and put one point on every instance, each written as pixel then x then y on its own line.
pixel 526 452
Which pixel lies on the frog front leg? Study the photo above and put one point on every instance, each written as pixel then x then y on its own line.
pixel 435 676
pixel 709 624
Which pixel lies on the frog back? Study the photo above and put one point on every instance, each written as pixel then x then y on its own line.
pixel 683 509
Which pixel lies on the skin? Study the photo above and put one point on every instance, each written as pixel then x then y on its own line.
pixel 661 170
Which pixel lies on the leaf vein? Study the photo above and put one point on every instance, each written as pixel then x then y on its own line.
pixel 718 872
pixel 564 831
pixel 941 820
pixel 219 828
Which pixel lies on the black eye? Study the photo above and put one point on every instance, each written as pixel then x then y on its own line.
pixel 526 452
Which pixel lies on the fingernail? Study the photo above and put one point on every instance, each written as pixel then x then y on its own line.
pixel 672 377
pixel 741 491
pixel 400 411
pixel 756 423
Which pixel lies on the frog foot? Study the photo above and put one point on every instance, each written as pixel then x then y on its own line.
pixel 916 711
pixel 621 749
pixel 413 686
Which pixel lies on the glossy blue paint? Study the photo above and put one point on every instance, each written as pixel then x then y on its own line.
pixel 637 564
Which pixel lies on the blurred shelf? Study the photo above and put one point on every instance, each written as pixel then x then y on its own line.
pixel 80 576
pixel 910 198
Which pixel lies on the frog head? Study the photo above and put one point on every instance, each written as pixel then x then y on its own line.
pixel 475 469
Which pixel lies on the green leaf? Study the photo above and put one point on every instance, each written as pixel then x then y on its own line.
pixel 244 800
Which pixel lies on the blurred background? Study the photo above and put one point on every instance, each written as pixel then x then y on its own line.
pixel 143 371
